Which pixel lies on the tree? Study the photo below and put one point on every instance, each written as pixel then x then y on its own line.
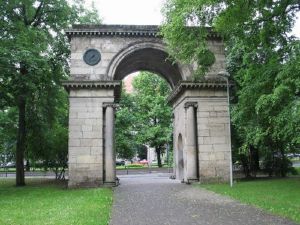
pixel 263 59
pixel 153 115
pixel 34 53
pixel 125 132
pixel 47 141
pixel 8 131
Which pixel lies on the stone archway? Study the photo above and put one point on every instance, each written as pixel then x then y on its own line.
pixel 101 56
pixel 150 56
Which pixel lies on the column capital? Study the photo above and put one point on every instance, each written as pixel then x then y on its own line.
pixel 110 104
pixel 190 104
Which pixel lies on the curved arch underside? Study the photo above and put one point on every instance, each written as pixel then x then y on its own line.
pixel 149 59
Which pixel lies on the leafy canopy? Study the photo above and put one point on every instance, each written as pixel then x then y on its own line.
pixel 34 53
pixel 262 58
pixel 143 117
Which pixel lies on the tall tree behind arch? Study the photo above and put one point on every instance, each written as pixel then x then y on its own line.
pixel 34 57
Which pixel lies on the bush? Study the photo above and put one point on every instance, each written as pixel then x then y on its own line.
pixel 135 166
pixel 278 166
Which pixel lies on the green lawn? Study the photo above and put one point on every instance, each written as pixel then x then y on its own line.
pixel 48 202
pixel 278 196
pixel 137 166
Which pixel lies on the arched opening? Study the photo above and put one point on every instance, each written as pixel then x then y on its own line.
pixel 144 125
pixel 180 160
pixel 149 57
pixel 145 57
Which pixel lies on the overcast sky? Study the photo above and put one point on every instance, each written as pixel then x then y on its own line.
pixel 139 12
pixel 134 12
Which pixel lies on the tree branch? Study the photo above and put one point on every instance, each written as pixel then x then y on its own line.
pixel 37 17
pixel 24 14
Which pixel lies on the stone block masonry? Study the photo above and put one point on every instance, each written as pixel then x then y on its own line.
pixel 201 139
pixel 211 119
pixel 86 136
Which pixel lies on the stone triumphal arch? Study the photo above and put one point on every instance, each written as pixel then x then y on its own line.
pixel 101 56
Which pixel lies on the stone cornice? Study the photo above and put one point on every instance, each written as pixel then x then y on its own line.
pixel 188 85
pixel 122 30
pixel 73 84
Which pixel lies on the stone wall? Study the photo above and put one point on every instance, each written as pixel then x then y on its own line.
pixel 107 46
pixel 86 136
pixel 212 119
pixel 110 47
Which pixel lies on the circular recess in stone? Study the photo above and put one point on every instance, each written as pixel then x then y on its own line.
pixel 92 57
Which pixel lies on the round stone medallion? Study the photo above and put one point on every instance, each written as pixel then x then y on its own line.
pixel 92 57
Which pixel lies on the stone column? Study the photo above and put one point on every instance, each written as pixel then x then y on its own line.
pixel 190 142
pixel 110 164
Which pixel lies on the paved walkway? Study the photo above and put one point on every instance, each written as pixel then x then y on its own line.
pixel 153 199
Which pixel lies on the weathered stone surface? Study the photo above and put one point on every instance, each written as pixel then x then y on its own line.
pixel 201 138
pixel 86 136
pixel 213 150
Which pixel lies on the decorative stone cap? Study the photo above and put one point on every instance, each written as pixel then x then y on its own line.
pixel 89 84
pixel 72 84
pixel 121 30
pixel 187 85
pixel 110 104
pixel 190 104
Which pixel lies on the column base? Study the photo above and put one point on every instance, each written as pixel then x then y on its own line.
pixel 192 180
pixel 110 184
pixel 85 184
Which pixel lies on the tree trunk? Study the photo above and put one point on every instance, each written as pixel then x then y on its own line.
pixel 158 152
pixel 245 164
pixel 254 160
pixel 20 176
pixel 283 163
pixel 27 167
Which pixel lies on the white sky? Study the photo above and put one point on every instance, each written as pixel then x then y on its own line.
pixel 140 12
pixel 133 12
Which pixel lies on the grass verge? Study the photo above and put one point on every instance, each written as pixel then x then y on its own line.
pixel 49 202
pixel 137 166
pixel 278 196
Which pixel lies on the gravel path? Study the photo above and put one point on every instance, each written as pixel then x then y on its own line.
pixel 153 199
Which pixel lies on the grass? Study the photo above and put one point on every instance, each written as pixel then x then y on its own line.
pixel 48 202
pixel 278 196
pixel 139 166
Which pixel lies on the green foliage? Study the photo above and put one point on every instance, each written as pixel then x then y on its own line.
pixel 263 60
pixel 280 197
pixel 8 131
pixel 142 151
pixel 47 202
pixel 34 54
pixel 144 118
pixel 186 33
pixel 135 166
pixel 82 15
pixel 153 115
pixel 47 125
pixel 125 120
